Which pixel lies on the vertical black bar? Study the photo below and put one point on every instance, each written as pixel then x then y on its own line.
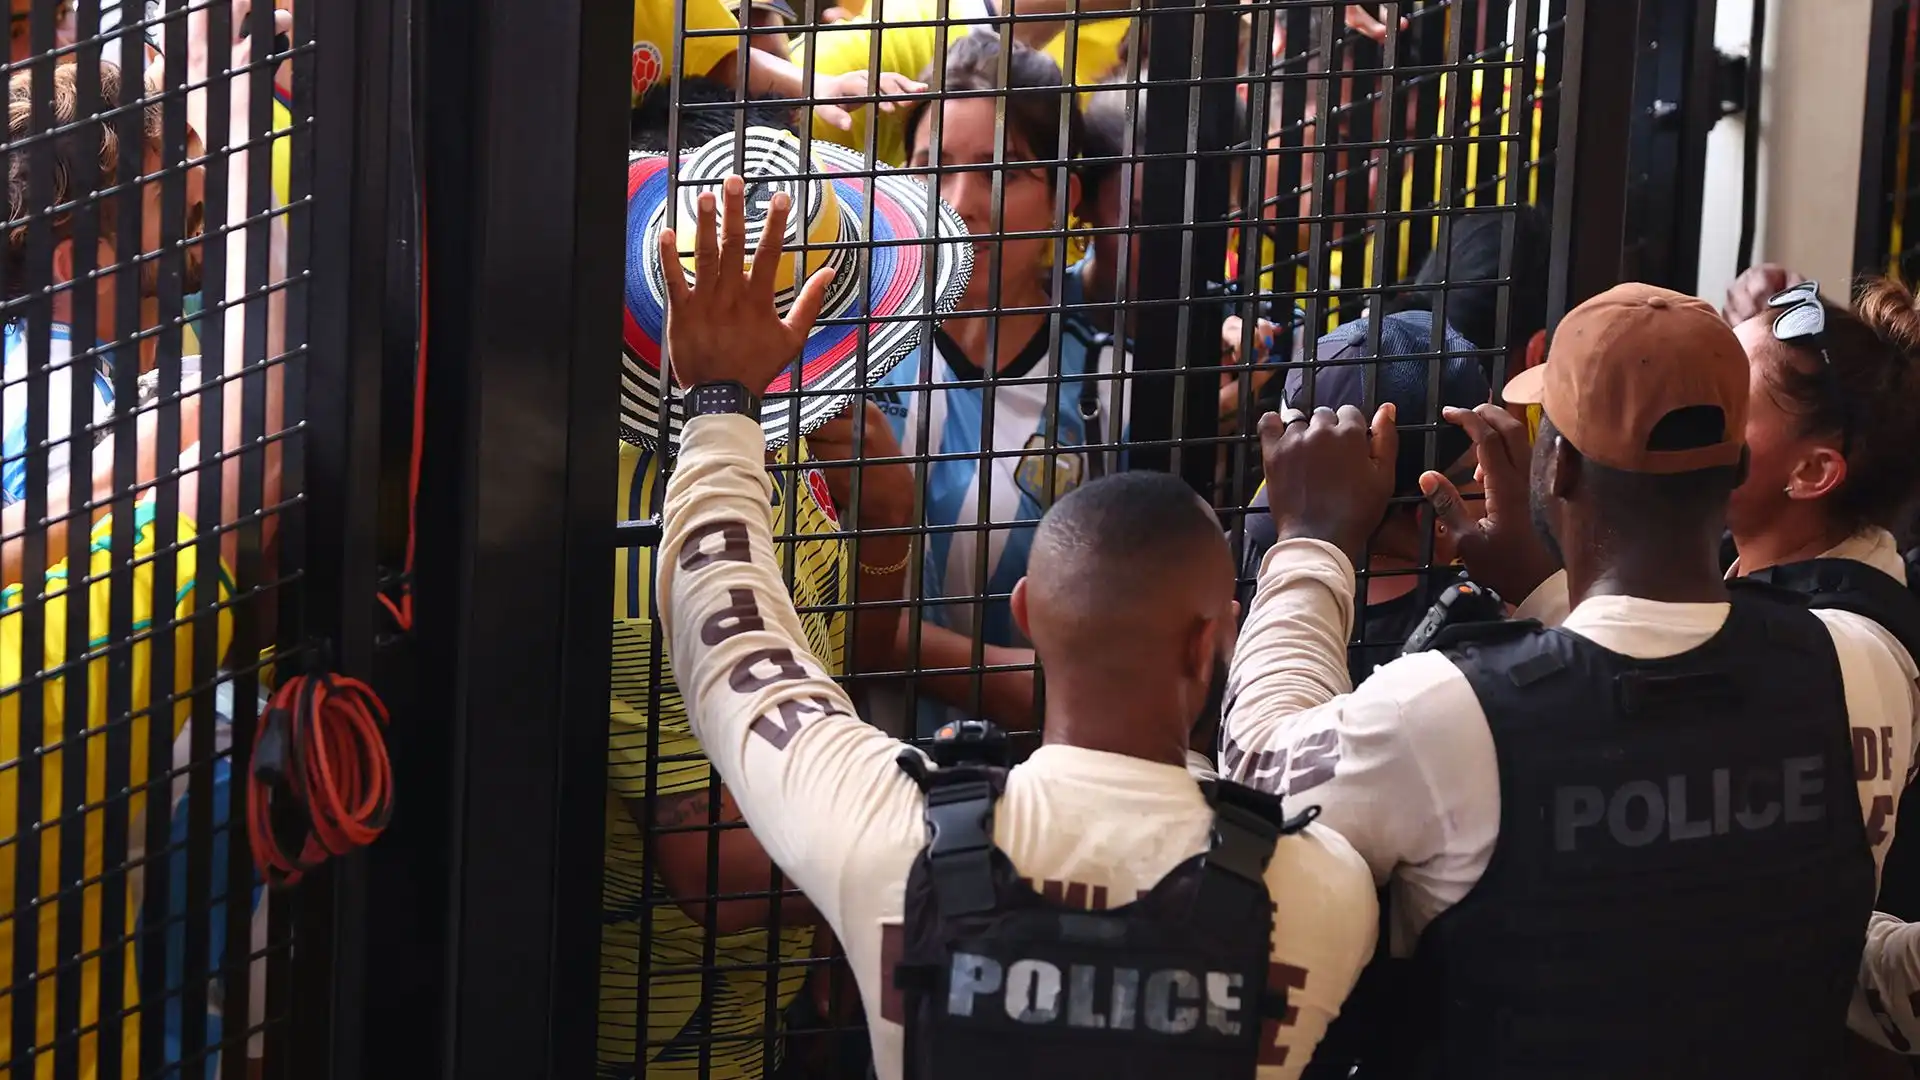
pixel 1428 47
pixel 1873 227
pixel 156 995
pixel 522 673
pixel 1169 33
pixel 35 306
pixel 221 140
pixel 1489 114
pixel 1177 263
pixel 1589 203
pixel 75 876
pixel 119 943
pixel 1686 39
pixel 1355 127
pixel 285 1024
pixel 265 361
pixel 1212 195
pixel 1552 81
pixel 288 1028
pixel 349 228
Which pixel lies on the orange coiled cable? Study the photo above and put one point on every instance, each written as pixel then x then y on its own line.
pixel 321 783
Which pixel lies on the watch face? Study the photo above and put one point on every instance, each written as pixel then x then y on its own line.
pixel 722 398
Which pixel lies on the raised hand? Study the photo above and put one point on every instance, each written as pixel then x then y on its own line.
pixel 854 84
pixel 1361 19
pixel 1329 475
pixel 1748 294
pixel 1502 550
pixel 724 327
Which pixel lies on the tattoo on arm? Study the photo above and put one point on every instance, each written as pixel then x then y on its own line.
pixel 680 810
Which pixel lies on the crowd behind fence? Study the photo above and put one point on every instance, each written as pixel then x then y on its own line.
pixel 1157 221
pixel 1113 245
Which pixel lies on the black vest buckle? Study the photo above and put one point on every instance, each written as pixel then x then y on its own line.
pixel 960 845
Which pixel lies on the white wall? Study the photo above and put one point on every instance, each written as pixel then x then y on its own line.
pixel 1812 100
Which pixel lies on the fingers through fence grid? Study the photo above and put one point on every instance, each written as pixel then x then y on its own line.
pixel 1071 238
pixel 150 467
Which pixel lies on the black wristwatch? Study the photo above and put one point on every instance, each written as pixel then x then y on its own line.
pixel 722 398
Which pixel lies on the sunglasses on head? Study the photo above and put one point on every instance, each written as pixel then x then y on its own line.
pixel 1802 322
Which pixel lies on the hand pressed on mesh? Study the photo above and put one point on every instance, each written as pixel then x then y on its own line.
pixel 724 327
pixel 1502 550
pixel 854 84
pixel 886 485
pixel 1329 475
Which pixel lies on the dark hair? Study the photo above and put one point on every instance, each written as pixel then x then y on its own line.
pixel 1034 94
pixel 72 138
pixel 1666 501
pixel 1472 255
pixel 1142 518
pixel 1106 137
pixel 1873 393
pixel 698 127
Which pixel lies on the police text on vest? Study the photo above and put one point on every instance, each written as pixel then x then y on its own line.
pixel 1169 1002
pixel 1691 807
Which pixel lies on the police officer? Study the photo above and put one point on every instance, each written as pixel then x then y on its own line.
pixel 1094 911
pixel 1625 846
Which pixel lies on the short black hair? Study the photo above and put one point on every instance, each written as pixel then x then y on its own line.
pixel 1133 519
pixel 1697 497
pixel 1033 98
pixel 1472 254
pixel 698 126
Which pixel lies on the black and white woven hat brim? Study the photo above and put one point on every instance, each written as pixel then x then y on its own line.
pixel 909 282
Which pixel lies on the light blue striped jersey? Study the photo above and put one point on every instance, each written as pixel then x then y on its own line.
pixel 1034 434
pixel 14 405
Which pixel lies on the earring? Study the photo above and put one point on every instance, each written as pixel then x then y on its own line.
pixel 1788 491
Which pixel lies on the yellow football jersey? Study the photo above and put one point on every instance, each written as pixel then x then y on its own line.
pixel 180 602
pixel 677 1028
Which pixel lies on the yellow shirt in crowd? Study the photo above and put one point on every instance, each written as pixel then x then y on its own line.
pixel 910 50
pixel 136 663
pixel 653 40
pixel 736 1022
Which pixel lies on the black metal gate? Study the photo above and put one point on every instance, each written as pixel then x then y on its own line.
pixel 428 390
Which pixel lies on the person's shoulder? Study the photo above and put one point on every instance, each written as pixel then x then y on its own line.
pixel 1323 887
pixel 1860 639
pixel 1318 854
pixel 1409 679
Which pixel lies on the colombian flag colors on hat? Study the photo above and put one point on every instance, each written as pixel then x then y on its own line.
pixel 874 314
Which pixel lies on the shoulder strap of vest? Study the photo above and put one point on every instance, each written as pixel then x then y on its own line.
pixel 1455 635
pixel 1246 826
pixel 959 816
pixel 1847 585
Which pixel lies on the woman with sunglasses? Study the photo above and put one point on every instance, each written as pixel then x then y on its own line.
pixel 1833 438
pixel 1833 434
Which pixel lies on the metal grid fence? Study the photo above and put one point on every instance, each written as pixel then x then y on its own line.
pixel 1165 218
pixel 1886 238
pixel 158 242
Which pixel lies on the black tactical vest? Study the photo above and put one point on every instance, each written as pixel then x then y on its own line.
pixel 1001 984
pixel 1848 585
pixel 1682 879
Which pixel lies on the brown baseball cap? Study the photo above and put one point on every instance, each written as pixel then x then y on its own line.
pixel 1644 380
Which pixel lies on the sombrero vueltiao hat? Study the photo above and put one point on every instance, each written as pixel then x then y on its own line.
pixel 892 308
